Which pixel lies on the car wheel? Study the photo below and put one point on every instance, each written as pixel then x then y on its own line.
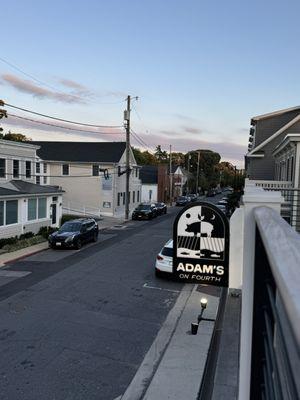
pixel 78 244
pixel 95 237
pixel 158 273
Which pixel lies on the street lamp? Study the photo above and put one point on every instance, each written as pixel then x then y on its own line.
pixel 195 326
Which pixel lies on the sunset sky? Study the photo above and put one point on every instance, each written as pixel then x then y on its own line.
pixel 200 69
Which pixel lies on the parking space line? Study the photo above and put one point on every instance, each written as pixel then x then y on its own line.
pixel 145 285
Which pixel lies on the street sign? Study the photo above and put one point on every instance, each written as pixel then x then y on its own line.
pixel 201 245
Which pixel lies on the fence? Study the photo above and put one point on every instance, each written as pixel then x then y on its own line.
pixel 80 209
pixel 290 208
pixel 275 359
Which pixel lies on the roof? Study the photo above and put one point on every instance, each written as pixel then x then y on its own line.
pixel 19 187
pixel 148 174
pixel 28 145
pixel 274 113
pixel 254 151
pixel 110 152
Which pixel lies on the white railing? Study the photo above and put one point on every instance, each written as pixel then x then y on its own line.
pixel 269 184
pixel 71 207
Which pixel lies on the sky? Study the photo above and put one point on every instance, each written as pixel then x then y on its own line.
pixel 200 70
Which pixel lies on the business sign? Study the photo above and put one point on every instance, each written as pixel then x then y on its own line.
pixel 107 183
pixel 201 245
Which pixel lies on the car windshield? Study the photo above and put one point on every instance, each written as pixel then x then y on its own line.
pixel 70 227
pixel 143 207
pixel 181 198
pixel 167 251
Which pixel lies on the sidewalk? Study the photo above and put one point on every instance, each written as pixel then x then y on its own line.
pixel 173 367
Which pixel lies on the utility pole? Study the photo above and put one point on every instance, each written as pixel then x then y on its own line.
pixel 127 126
pixel 197 180
pixel 188 170
pixel 170 174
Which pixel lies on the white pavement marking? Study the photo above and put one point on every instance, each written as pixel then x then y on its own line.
pixel 145 285
pixel 149 365
pixel 13 274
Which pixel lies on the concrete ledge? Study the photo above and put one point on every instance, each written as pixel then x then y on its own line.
pixel 27 251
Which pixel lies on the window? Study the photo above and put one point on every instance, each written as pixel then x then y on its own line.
pixel 65 169
pixel 133 196
pixel 45 168
pixel 16 170
pixel 123 198
pixel 2 167
pixel 1 213
pixel 11 215
pixel 119 198
pixel 96 170
pixel 138 196
pixel 38 168
pixel 28 169
pixel 38 180
pixel 45 180
pixel 42 207
pixel 31 209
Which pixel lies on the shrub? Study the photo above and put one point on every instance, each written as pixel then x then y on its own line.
pixel 45 231
pixel 26 235
pixel 68 217
pixel 24 243
pixel 8 241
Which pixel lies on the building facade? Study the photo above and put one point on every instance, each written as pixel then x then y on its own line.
pixel 92 175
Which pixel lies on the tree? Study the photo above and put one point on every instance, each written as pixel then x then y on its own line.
pixel 161 155
pixel 144 157
pixel 15 137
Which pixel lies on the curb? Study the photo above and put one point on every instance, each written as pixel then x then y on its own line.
pixel 149 365
pixel 4 263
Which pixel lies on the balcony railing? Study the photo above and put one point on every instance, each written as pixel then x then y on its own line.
pixel 275 363
pixel 290 208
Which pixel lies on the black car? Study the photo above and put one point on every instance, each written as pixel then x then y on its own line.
pixel 144 211
pixel 161 208
pixel 74 233
pixel 193 197
pixel 182 200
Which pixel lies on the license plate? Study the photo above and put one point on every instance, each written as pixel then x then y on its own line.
pixel 58 244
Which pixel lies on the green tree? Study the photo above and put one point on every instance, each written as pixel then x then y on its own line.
pixel 15 137
pixel 161 155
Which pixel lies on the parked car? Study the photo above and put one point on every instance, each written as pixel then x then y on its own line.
pixel 218 191
pixel 161 208
pixel 211 193
pixel 223 202
pixel 74 233
pixel 164 259
pixel 144 211
pixel 193 197
pixel 182 200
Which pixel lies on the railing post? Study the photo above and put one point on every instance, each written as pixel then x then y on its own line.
pixel 253 197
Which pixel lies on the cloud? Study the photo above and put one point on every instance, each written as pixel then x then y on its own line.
pixel 78 89
pixel 192 130
pixel 25 86
pixel 183 117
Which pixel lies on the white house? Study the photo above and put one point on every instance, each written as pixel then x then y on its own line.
pixel 149 178
pixel 78 167
pixel 24 205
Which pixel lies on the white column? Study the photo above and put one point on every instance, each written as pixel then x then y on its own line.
pixel 236 249
pixel 253 197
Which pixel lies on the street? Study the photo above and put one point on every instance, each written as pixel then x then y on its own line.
pixel 77 324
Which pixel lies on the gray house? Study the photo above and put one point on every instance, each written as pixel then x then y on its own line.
pixel 266 133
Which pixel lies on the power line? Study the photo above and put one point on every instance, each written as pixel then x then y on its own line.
pixel 47 85
pixel 62 119
pixel 63 127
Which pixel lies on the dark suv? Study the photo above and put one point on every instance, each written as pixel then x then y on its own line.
pixel 144 211
pixel 74 233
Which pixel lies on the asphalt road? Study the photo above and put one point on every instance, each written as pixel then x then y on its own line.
pixel 79 324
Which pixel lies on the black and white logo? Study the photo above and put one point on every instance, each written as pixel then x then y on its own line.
pixel 201 245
